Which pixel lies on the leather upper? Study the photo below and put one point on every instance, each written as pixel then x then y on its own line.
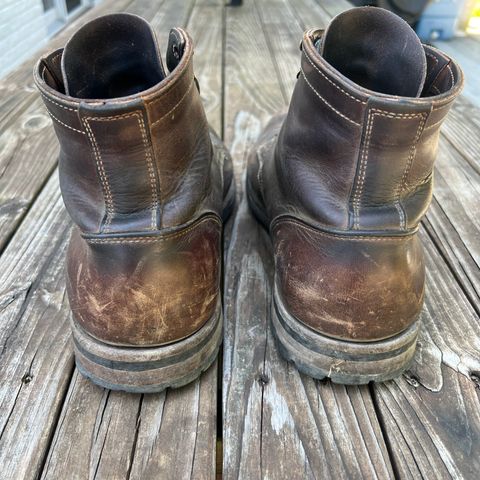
pixel 346 158
pixel 147 183
pixel 343 180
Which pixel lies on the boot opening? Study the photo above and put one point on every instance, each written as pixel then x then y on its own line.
pixel 112 56
pixel 377 50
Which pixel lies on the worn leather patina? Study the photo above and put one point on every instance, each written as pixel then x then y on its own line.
pixel 145 180
pixel 343 179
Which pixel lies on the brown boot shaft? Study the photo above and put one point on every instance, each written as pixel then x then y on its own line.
pixel 148 185
pixel 342 181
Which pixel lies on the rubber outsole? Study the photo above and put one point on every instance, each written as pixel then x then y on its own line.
pixel 148 369
pixel 320 356
pixel 152 369
pixel 344 362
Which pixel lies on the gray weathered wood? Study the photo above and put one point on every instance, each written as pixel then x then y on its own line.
pixel 35 352
pixel 59 426
pixel 277 423
pixel 448 353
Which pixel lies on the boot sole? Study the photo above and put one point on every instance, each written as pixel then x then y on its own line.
pixel 320 356
pixel 148 369
pixel 344 362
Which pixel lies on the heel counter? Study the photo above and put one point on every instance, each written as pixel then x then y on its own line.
pixel 145 290
pixel 355 288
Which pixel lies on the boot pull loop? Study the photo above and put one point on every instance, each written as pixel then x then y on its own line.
pixel 175 50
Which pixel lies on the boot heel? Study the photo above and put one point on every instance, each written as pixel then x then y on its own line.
pixel 342 361
pixel 148 369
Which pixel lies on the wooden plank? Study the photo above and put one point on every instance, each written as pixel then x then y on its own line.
pixel 206 29
pixel 35 352
pixel 252 91
pixel 432 434
pixel 277 423
pixel 466 51
pixel 104 434
pixel 255 397
pixel 431 416
pixel 95 433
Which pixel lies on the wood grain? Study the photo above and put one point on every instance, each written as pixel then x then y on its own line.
pixel 35 352
pixel 277 423
pixel 58 426
pixel 448 354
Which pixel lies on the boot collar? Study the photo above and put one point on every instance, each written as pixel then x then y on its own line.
pixel 444 82
pixel 160 98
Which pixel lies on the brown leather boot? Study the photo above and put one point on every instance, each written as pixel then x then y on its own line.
pixel 342 182
pixel 148 186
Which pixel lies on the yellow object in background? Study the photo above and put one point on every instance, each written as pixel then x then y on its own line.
pixel 473 26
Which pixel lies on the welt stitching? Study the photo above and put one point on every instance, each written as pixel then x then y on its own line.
pixel 176 105
pixel 103 175
pixel 279 223
pixel 332 82
pixel 64 124
pixel 326 103
pixel 153 239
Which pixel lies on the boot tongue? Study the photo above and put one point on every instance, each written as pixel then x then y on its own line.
pixel 112 56
pixel 377 50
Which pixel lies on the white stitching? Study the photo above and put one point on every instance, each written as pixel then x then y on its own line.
pixel 278 224
pixel 408 166
pixel 451 76
pixel 57 104
pixel 362 172
pixel 64 124
pixel 162 238
pixel 356 199
pixel 151 172
pixel 326 103
pixel 103 175
pixel 332 82
pixel 148 160
pixel 175 106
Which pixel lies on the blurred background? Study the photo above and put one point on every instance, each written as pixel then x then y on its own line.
pixel 451 25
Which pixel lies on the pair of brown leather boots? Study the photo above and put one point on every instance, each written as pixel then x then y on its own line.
pixel 340 182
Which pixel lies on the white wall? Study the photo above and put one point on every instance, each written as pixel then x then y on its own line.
pixel 25 28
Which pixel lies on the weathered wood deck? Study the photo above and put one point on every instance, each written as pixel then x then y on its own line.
pixel 277 424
